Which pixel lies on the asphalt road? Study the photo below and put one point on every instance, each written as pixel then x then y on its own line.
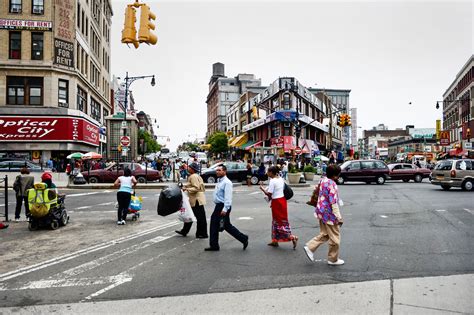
pixel 394 230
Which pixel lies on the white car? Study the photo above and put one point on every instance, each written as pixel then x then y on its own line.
pixel 201 157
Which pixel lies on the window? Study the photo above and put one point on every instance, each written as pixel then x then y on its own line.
pixel 355 166
pixel 95 109
pixel 15 6
pixel 37 46
pixel 367 165
pixel 37 7
pixel 81 100
pixel 464 165
pixel 105 113
pixel 24 91
pixel 63 93
pixel 15 45
pixel 408 166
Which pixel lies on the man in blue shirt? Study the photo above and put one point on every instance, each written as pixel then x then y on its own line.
pixel 223 201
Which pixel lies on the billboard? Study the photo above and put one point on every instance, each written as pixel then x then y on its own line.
pixel 48 129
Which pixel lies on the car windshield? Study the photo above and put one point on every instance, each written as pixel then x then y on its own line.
pixel 444 165
pixel 344 166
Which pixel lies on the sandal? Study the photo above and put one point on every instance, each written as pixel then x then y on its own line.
pixel 294 240
pixel 274 244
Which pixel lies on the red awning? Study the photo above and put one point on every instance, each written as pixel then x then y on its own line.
pixel 255 145
pixel 458 152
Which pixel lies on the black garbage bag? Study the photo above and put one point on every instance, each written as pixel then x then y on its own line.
pixel 170 200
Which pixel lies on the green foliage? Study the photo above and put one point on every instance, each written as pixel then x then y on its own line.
pixel 151 144
pixel 309 169
pixel 188 147
pixel 218 142
pixel 292 169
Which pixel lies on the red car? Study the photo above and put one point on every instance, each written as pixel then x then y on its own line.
pixel 407 172
pixel 111 173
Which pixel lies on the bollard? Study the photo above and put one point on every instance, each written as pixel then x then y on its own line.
pixel 6 198
pixel 146 171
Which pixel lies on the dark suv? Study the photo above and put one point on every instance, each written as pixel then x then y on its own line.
pixel 236 171
pixel 364 171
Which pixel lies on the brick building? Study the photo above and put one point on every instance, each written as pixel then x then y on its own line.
pixel 54 73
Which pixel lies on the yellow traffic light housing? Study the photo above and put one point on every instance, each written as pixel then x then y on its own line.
pixel 129 33
pixel 339 120
pixel 255 112
pixel 146 26
pixel 348 120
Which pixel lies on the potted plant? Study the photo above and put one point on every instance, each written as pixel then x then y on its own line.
pixel 309 172
pixel 293 174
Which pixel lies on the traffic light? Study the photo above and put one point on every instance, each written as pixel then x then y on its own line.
pixel 339 120
pixel 129 33
pixel 146 26
pixel 468 133
pixel 348 120
pixel 255 112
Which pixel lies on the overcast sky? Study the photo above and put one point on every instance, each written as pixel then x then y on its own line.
pixel 389 53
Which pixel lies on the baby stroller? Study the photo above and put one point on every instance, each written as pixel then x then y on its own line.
pixel 46 208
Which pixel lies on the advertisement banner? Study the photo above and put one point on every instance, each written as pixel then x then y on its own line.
pixel 63 53
pixel 444 138
pixel 48 128
pixel 438 128
pixel 26 25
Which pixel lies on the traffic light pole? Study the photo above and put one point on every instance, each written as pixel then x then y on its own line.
pixel 128 82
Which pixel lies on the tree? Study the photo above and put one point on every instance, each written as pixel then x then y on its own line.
pixel 188 147
pixel 218 142
pixel 151 146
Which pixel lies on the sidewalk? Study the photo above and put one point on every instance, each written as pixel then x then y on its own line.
pixel 432 295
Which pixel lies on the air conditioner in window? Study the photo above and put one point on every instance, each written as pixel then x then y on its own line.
pixel 287 125
pixel 37 11
pixel 63 104
pixel 15 10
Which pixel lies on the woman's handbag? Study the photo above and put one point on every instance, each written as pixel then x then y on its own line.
pixel 313 201
pixel 287 192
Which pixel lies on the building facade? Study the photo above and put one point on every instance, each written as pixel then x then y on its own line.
pixel 458 108
pixel 223 93
pixel 54 77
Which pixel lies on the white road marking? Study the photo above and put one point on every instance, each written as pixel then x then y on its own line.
pixel 62 283
pixel 470 211
pixel 383 216
pixel 121 279
pixel 245 218
pixel 441 210
pixel 83 194
pixel 111 257
pixel 84 207
pixel 63 258
pixel 254 193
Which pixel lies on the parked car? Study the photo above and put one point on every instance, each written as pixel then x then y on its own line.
pixel 454 173
pixel 111 173
pixel 201 157
pixel 364 171
pixel 407 172
pixel 236 171
pixel 11 165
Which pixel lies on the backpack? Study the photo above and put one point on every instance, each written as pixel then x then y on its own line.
pixel 287 192
pixel 40 199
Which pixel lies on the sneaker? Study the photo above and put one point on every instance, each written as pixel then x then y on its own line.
pixel 309 253
pixel 123 222
pixel 337 263
pixel 17 220
pixel 119 223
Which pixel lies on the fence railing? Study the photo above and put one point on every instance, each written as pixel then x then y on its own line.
pixel 4 196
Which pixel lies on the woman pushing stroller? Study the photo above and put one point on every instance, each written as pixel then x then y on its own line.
pixel 127 183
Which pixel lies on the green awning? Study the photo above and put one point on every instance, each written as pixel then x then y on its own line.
pixel 246 145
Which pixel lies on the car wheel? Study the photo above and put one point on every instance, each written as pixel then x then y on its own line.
pixel 418 178
pixel 141 180
pixel 468 185
pixel 380 180
pixel 211 180
pixel 406 180
pixel 446 187
pixel 254 180
pixel 93 180
pixel 341 181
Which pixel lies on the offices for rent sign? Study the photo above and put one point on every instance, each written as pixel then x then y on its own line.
pixel 48 128
pixel 64 33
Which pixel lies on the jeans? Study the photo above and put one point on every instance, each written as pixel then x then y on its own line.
pixel 19 202
pixel 123 199
pixel 228 227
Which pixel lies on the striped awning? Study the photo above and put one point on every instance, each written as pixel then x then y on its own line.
pixel 239 140
pixel 252 144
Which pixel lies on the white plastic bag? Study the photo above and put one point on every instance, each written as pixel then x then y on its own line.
pixel 186 214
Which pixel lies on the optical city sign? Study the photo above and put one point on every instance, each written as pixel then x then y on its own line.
pixel 48 128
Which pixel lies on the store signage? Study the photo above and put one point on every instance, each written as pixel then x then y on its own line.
pixel 63 53
pixel 26 25
pixel 444 138
pixel 48 128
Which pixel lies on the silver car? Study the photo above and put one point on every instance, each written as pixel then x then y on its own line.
pixel 454 173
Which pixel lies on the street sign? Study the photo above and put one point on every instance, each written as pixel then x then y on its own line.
pixel 124 125
pixel 298 151
pixel 125 141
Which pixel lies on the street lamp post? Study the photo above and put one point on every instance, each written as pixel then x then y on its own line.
pixel 128 82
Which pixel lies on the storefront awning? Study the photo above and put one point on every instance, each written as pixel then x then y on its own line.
pixel 240 140
pixel 230 140
pixel 252 144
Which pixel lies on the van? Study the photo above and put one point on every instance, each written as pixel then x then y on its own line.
pixel 201 157
pixel 454 173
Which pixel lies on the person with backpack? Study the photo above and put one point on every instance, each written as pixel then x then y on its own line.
pixel 281 230
pixel 22 183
